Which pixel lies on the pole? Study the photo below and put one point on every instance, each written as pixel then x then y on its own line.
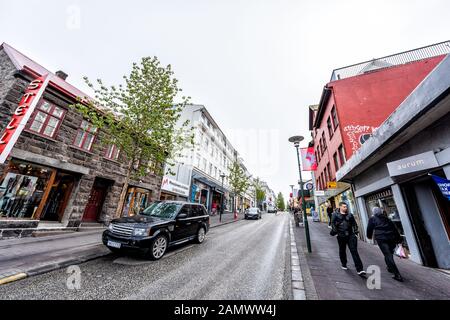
pixel 305 216
pixel 221 204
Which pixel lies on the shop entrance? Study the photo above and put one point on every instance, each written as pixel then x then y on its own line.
pixel 58 197
pixel 96 200
pixel 136 201
pixel 425 203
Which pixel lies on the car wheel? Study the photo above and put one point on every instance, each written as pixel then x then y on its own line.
pixel 158 247
pixel 201 235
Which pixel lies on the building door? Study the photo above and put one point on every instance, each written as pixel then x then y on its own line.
pixel 417 220
pixel 96 200
pixel 58 197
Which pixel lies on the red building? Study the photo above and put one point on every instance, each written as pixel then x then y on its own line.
pixel 356 101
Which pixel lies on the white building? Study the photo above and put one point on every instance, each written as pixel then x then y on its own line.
pixel 207 162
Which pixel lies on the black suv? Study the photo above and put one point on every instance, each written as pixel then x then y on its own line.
pixel 162 224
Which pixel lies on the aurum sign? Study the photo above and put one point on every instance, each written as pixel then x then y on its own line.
pixel 21 115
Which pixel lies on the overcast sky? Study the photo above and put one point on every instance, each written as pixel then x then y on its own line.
pixel 256 65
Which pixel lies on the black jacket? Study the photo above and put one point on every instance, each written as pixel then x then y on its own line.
pixel 343 225
pixel 383 229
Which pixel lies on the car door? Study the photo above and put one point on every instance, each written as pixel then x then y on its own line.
pixel 183 226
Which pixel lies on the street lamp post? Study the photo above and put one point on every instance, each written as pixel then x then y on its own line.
pixel 221 199
pixel 296 141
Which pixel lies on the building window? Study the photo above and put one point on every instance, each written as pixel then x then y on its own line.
pixel 112 152
pixel 324 143
pixel 334 115
pixel 329 172
pixel 46 119
pixel 325 174
pixel 210 169
pixel 204 165
pixel 85 136
pixel 198 161
pixel 336 161
pixel 330 128
pixel 341 154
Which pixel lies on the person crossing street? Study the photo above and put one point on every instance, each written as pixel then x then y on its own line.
pixel 343 224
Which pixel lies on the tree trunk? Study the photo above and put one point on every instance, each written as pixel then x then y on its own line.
pixel 124 191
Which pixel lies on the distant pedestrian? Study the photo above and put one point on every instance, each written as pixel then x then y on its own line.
pixel 329 213
pixel 344 225
pixel 387 236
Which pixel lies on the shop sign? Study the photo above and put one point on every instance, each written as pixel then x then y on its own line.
pixel 332 184
pixel 415 163
pixel 20 117
pixel 174 186
pixel 443 184
pixel 320 193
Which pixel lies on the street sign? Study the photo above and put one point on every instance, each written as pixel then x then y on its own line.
pixel 332 184
pixel 319 193
pixel 309 186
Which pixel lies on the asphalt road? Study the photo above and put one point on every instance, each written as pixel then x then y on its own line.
pixel 242 260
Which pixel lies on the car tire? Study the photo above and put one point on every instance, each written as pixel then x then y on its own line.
pixel 158 247
pixel 201 234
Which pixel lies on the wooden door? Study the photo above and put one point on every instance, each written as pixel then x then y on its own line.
pixel 95 203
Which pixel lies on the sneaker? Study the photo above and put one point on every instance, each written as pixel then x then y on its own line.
pixel 398 277
pixel 344 268
pixel 361 273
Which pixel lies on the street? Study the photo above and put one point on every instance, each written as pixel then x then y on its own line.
pixel 241 260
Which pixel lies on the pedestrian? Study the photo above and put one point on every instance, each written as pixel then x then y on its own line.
pixel 387 237
pixel 214 208
pixel 343 224
pixel 329 213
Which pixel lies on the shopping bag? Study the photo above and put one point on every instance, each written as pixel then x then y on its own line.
pixel 400 251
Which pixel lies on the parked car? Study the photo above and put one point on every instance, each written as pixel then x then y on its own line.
pixel 161 225
pixel 253 213
pixel 272 209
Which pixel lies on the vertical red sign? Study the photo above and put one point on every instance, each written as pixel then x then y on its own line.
pixel 21 115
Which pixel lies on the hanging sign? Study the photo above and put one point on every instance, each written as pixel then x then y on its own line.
pixel 309 162
pixel 20 117
pixel 443 184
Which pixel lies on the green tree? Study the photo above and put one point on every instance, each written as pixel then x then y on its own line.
pixel 280 202
pixel 239 181
pixel 140 117
pixel 260 193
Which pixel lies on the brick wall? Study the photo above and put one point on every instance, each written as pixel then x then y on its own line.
pixel 61 148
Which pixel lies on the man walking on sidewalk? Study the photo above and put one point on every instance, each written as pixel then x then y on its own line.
pixel 387 237
pixel 343 224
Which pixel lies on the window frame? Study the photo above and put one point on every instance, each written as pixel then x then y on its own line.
pixel 330 127
pixel 334 117
pixel 49 115
pixel 85 135
pixel 107 152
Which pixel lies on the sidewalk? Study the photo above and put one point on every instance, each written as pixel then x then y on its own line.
pixel 20 258
pixel 330 282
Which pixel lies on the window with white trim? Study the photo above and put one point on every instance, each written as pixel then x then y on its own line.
pixel 85 136
pixel 46 119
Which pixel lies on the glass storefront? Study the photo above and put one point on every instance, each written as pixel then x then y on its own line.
pixel 385 201
pixel 136 201
pixel 30 191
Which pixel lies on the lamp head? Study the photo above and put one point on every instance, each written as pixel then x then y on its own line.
pixel 296 140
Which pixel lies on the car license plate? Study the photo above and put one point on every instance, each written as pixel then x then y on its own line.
pixel 114 244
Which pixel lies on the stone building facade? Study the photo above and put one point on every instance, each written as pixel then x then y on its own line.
pixel 66 175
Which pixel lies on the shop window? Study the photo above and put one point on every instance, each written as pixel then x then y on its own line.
pixel 46 119
pixel 136 201
pixel 23 189
pixel 85 136
pixel 334 116
pixel 112 152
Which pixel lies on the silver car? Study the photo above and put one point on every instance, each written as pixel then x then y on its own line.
pixel 253 213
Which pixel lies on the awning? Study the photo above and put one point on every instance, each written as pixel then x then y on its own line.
pixel 209 181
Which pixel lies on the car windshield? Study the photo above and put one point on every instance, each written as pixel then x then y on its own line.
pixel 162 210
pixel 253 210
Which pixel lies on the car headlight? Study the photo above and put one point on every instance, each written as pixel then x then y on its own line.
pixel 140 232
pixel 110 227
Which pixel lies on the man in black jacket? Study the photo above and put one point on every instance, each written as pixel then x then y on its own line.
pixel 343 224
pixel 387 237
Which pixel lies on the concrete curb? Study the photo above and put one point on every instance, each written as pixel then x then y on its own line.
pixel 51 266
pixel 222 224
pixel 298 286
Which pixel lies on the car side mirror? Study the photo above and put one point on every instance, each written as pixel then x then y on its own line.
pixel 182 216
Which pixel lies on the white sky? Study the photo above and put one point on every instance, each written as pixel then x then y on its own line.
pixel 256 65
